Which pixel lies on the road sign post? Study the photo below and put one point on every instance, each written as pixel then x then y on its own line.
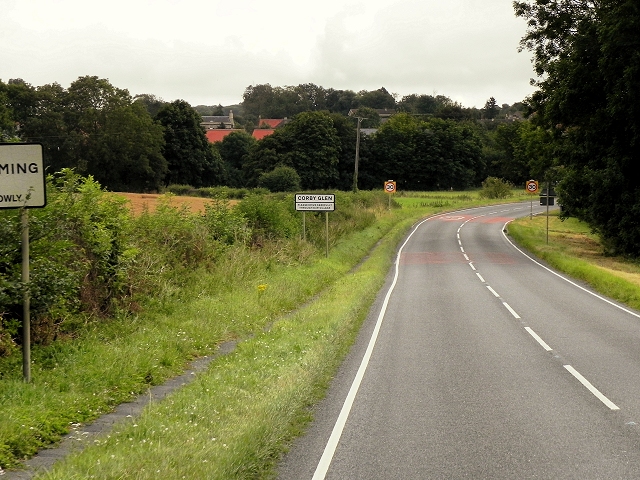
pixel 532 189
pixel 390 188
pixel 22 185
pixel 316 202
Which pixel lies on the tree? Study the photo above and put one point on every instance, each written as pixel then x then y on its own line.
pixel 587 55
pixel 94 128
pixel 129 154
pixel 191 159
pixel 426 155
pixel 309 144
pixel 280 179
pixel 369 116
pixel 380 98
pixel 234 149
pixel 151 103
pixel 490 109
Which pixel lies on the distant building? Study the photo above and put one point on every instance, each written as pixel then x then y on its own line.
pixel 266 126
pixel 260 133
pixel 216 122
pixel 217 134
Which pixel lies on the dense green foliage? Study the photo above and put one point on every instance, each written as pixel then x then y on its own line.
pixel 93 127
pixel 191 158
pixel 234 149
pixel 496 188
pixel 588 56
pixel 280 179
pixel 91 258
pixel 426 155
pixel 145 144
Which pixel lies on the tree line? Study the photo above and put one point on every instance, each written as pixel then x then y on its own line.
pixel 144 144
pixel 586 110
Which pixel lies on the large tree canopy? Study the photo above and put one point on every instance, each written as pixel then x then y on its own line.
pixel 309 144
pixel 191 158
pixel 587 54
pixel 92 127
pixel 425 155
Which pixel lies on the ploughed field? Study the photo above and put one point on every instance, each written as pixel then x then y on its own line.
pixel 140 201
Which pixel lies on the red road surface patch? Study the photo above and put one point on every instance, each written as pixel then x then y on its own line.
pixel 455 218
pixel 492 219
pixel 425 258
pixel 434 258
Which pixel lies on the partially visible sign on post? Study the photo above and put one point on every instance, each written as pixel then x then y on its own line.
pixel 314 202
pixel 22 178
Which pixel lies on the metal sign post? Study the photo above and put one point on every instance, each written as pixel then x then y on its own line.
pixel 390 188
pixel 532 189
pixel 314 202
pixel 23 186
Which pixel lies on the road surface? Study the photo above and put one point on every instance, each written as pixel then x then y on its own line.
pixel 478 362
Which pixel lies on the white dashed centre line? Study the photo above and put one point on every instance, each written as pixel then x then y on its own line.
pixel 591 388
pixel 538 339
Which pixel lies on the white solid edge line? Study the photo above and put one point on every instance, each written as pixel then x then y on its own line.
pixel 564 278
pixel 336 433
pixel 591 388
pixel 538 339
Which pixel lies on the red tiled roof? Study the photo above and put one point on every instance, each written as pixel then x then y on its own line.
pixel 218 134
pixel 260 133
pixel 271 122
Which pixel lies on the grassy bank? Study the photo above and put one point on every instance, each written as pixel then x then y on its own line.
pixel 572 248
pixel 294 322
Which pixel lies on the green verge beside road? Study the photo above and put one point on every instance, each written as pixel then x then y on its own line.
pixel 573 249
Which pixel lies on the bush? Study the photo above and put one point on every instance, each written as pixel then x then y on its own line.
pixel 268 218
pixel 494 187
pixel 280 179
pixel 79 255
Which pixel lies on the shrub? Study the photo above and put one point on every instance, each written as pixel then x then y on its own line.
pixel 280 179
pixel 494 187
pixel 268 218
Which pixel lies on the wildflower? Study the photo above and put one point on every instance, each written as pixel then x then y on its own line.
pixel 262 288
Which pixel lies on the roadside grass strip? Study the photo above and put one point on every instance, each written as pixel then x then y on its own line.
pixel 236 419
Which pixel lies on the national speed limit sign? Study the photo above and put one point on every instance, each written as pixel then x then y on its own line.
pixel 390 186
pixel 532 186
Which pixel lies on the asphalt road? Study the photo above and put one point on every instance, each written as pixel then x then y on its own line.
pixel 478 362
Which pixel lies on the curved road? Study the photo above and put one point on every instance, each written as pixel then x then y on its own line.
pixel 478 362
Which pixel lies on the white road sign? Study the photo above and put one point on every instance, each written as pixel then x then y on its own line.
pixel 314 202
pixel 22 179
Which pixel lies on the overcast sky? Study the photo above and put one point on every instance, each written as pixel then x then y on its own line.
pixel 208 51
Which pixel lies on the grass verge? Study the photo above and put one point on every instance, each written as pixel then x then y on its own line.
pixel 574 250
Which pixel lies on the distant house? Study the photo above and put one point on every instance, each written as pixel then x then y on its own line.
pixel 215 122
pixel 260 133
pixel 216 135
pixel 266 126
pixel 272 122
pixel 368 131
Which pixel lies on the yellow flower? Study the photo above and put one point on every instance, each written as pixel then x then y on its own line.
pixel 262 288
